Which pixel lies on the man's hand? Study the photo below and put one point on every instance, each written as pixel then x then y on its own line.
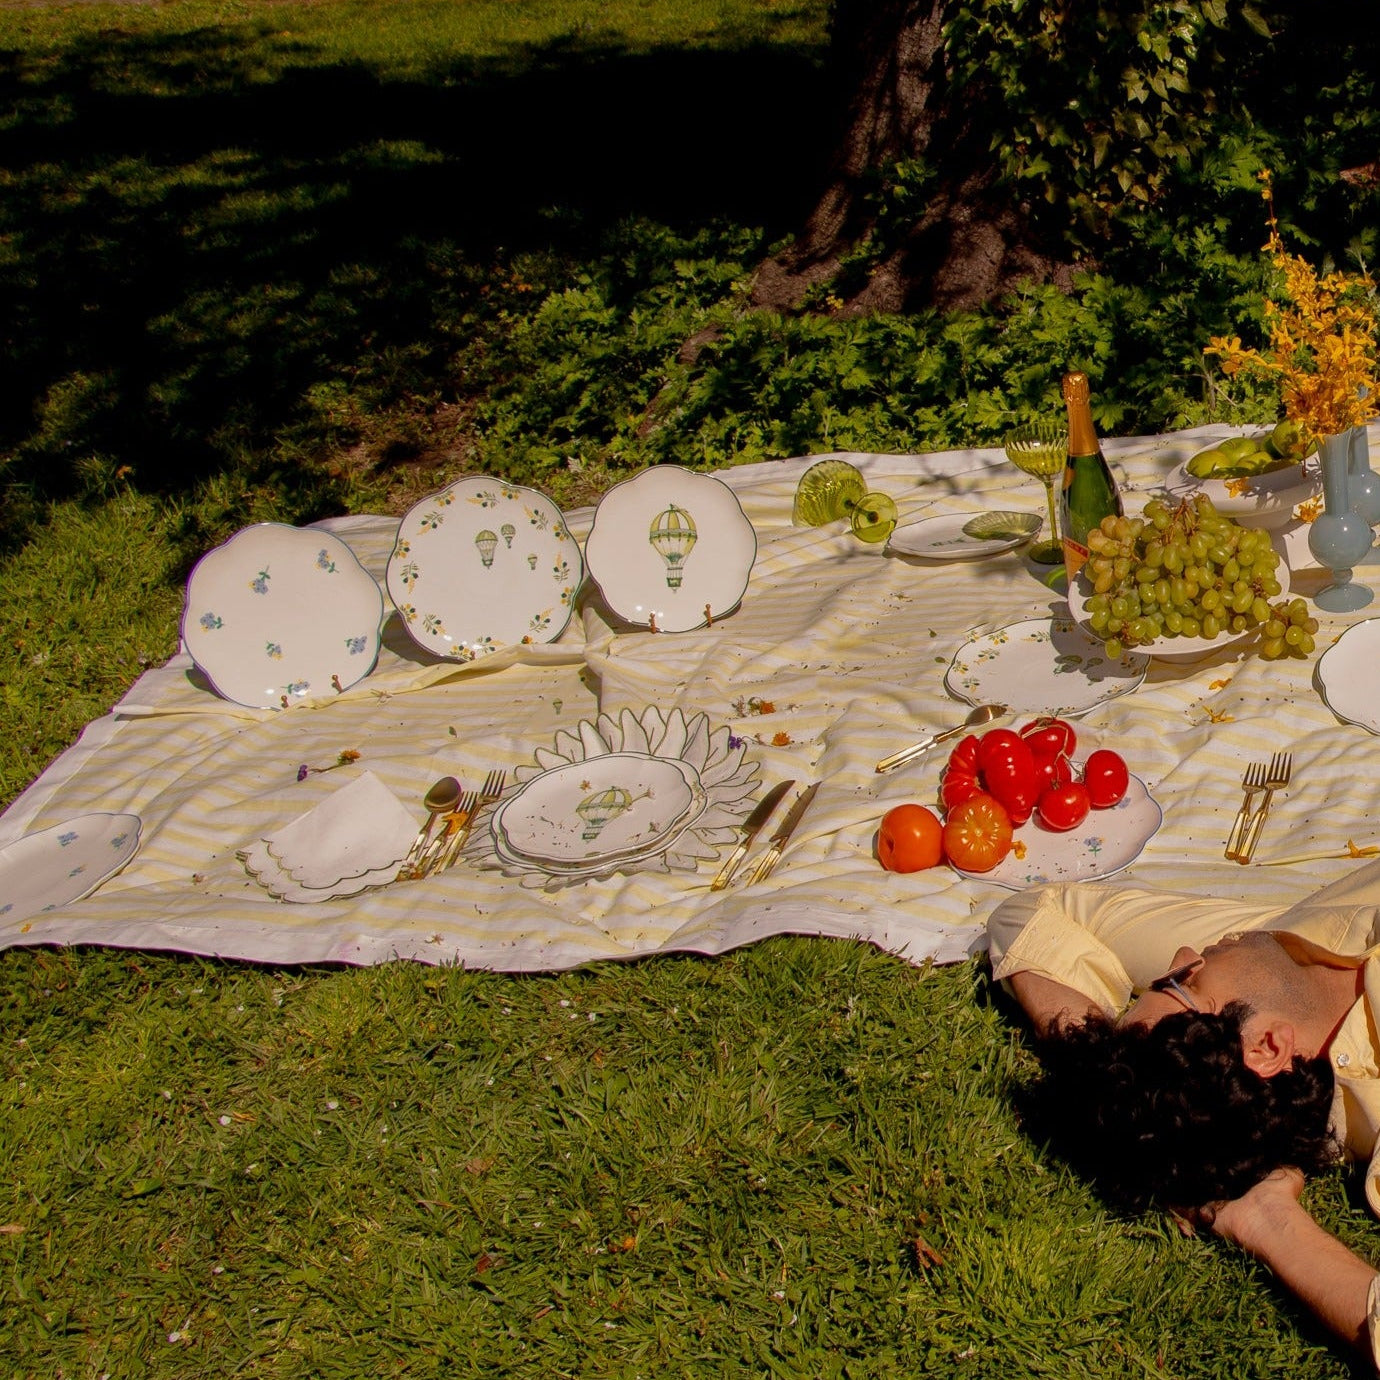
pixel 1250 1220
pixel 1269 1223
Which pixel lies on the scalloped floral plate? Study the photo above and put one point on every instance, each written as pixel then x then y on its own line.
pixel 1042 666
pixel 482 565
pixel 1103 844
pixel 53 867
pixel 279 614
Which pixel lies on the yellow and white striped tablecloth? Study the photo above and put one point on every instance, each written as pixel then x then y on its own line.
pixel 847 643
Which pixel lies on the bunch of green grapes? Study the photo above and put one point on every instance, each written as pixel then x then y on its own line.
pixel 1184 571
pixel 1289 631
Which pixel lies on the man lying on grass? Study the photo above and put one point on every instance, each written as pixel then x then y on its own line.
pixel 1203 1056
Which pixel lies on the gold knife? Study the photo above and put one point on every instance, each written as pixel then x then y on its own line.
pixel 751 827
pixel 779 838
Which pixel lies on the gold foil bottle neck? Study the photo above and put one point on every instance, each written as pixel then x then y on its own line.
pixel 1082 433
pixel 1076 389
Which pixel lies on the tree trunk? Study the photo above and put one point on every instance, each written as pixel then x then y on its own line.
pixel 970 244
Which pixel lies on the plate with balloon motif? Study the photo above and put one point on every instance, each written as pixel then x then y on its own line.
pixel 52 868
pixel 279 615
pixel 671 549
pixel 644 792
pixel 580 816
pixel 483 565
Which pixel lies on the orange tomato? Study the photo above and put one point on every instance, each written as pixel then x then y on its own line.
pixel 910 837
pixel 977 834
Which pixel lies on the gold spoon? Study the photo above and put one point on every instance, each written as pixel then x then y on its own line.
pixel 983 714
pixel 440 799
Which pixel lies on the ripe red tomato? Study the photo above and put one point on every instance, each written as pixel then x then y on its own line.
pixel 1106 777
pixel 1064 807
pixel 965 754
pixel 1050 737
pixel 977 834
pixel 960 781
pixel 1052 771
pixel 1007 769
pixel 910 837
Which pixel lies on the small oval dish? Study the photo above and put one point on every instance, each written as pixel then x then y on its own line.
pixel 964 536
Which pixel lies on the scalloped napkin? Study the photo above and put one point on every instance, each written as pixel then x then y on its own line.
pixel 355 838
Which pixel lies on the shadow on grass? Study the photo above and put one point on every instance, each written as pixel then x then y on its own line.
pixel 199 230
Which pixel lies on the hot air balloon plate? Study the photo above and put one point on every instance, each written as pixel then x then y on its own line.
pixel 484 565
pixel 671 549
pixel 278 615
pixel 587 813
pixel 642 792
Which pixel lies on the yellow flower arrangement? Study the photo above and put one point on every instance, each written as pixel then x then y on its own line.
pixel 1323 343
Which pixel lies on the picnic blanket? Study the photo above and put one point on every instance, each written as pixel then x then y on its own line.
pixel 835 658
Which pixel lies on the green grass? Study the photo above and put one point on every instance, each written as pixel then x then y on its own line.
pixel 684 1167
pixel 267 260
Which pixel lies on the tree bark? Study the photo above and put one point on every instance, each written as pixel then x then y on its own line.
pixel 970 244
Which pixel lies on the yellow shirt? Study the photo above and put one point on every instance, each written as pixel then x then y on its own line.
pixel 1108 942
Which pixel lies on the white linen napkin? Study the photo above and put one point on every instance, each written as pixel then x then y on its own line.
pixel 357 832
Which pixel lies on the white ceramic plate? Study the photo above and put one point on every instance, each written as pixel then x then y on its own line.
pixel 1346 675
pixel 1041 666
pixel 1104 843
pixel 279 614
pixel 942 538
pixel 482 565
pixel 585 813
pixel 54 867
pixel 1265 500
pixel 1169 648
pixel 706 763
pixel 671 548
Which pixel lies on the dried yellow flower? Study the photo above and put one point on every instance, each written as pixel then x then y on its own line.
pixel 1323 343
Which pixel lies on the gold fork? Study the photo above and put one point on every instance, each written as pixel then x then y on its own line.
pixel 1253 781
pixel 460 833
pixel 453 819
pixel 1281 768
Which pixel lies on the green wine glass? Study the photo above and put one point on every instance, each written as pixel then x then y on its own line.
pixel 833 489
pixel 1040 449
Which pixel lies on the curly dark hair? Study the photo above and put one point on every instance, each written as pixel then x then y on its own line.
pixel 1169 1114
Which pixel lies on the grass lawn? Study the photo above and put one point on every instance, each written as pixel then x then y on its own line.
pixel 277 260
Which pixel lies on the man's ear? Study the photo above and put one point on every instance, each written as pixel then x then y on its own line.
pixel 1269 1047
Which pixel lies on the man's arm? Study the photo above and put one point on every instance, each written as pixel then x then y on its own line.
pixel 1044 1000
pixel 1271 1224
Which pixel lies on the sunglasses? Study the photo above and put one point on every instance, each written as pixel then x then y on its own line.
pixel 1173 981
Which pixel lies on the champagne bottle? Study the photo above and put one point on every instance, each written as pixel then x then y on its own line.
pixel 1089 492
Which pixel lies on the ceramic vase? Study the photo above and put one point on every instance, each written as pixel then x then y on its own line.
pixel 1339 537
pixel 1362 482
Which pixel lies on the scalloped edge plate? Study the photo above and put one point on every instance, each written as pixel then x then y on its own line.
pixel 1041 666
pixel 481 565
pixel 1345 674
pixel 1107 841
pixel 278 614
pixel 700 571
pixel 54 867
